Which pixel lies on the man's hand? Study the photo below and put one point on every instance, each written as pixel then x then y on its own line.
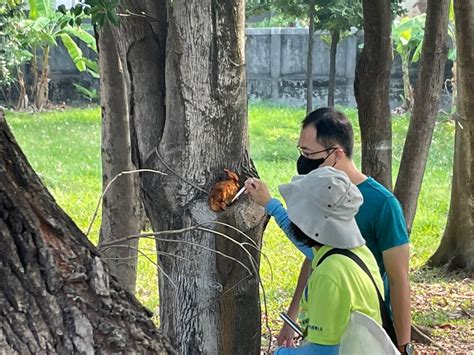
pixel 258 191
pixel 286 337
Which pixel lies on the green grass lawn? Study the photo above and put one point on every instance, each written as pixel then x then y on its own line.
pixel 64 148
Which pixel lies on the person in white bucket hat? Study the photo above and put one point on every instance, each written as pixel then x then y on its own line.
pixel 321 208
pixel 323 205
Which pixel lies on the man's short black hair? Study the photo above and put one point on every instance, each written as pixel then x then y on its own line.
pixel 332 127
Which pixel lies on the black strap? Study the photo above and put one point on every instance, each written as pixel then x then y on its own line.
pixel 386 319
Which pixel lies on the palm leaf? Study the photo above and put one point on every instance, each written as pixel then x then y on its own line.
pixel 74 51
pixel 40 8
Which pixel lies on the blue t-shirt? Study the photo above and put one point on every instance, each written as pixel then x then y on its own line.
pixel 380 220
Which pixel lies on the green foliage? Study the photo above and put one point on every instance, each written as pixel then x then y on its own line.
pixel 338 15
pixel 101 11
pixel 89 94
pixel 407 34
pixel 280 20
pixel 28 35
pixel 12 51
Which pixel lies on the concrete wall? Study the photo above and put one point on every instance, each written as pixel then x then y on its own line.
pixel 276 65
pixel 276 69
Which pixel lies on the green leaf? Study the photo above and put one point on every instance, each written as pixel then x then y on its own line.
pixel 77 10
pixel 74 51
pixel 84 36
pixel 99 18
pixel 40 8
pixel 112 17
pixel 62 9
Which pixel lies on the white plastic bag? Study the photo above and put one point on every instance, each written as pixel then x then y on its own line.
pixel 365 336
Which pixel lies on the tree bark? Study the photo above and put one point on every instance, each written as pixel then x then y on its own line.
pixel 407 88
pixel 371 88
pixel 457 245
pixel 332 66
pixel 121 203
pixel 185 69
pixel 423 119
pixel 56 294
pixel 309 60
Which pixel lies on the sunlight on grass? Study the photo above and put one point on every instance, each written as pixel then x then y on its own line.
pixel 64 148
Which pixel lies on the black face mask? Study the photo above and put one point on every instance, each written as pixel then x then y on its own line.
pixel 305 165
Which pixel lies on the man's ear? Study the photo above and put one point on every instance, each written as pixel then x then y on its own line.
pixel 339 153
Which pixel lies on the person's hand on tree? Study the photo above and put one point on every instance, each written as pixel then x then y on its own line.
pixel 258 191
pixel 286 337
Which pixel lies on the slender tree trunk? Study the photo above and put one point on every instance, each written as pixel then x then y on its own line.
pixel 41 88
pixel 121 204
pixel 427 96
pixel 332 66
pixel 22 93
pixel 371 88
pixel 56 294
pixel 457 246
pixel 309 60
pixel 407 88
pixel 208 304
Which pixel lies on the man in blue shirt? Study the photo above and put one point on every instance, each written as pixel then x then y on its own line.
pixel 326 139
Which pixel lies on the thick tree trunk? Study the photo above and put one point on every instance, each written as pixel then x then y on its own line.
pixel 205 131
pixel 121 203
pixel 56 294
pixel 309 60
pixel 371 88
pixel 332 66
pixel 211 305
pixel 457 246
pixel 425 109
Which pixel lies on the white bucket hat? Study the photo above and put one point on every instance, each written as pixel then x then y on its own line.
pixel 323 204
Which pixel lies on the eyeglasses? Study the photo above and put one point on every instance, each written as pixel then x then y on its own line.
pixel 307 155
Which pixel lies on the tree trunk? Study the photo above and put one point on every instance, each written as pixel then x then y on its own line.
pixel 407 88
pixel 42 83
pixel 211 305
pixel 332 66
pixel 457 246
pixel 23 101
pixel 427 96
pixel 371 88
pixel 121 204
pixel 309 60
pixel 56 294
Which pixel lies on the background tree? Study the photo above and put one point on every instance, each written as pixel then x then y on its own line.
pixel 121 202
pixel 56 294
pixel 28 38
pixel 309 56
pixel 457 245
pixel 407 34
pixel 340 18
pixel 427 97
pixel 371 88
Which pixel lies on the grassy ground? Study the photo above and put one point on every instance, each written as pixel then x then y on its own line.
pixel 64 148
